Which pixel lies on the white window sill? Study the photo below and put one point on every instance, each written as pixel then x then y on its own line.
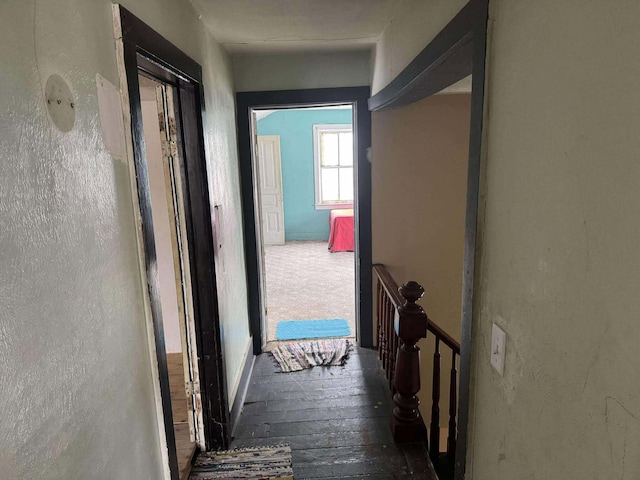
pixel 333 206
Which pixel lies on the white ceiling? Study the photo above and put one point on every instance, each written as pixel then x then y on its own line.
pixel 281 26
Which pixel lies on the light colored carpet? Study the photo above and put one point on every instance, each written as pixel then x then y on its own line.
pixel 307 282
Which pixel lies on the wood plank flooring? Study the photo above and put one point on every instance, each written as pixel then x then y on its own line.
pixel 180 406
pixel 336 420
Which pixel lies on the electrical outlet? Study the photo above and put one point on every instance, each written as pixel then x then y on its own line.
pixel 498 343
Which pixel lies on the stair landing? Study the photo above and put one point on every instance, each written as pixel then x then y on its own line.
pixel 336 420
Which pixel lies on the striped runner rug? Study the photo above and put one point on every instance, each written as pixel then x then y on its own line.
pixel 256 463
pixel 293 357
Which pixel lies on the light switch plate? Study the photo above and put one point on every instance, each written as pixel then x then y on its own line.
pixel 498 343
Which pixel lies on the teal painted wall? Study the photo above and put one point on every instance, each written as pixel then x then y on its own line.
pixel 295 128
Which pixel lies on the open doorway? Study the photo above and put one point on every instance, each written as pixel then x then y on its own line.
pixel 356 98
pixel 429 138
pixel 172 253
pixel 162 99
pixel 456 56
pixel 304 195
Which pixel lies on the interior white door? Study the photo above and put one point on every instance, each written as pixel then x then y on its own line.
pixel 180 247
pixel 270 188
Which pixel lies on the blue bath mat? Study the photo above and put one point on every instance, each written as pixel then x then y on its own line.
pixel 298 329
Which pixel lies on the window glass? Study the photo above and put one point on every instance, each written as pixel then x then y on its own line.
pixel 346 148
pixel 334 159
pixel 330 149
pixel 330 185
pixel 346 184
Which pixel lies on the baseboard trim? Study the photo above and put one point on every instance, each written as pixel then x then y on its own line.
pixel 241 392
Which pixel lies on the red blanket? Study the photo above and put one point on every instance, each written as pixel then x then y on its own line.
pixel 341 235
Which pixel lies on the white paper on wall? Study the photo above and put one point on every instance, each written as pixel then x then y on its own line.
pixel 110 108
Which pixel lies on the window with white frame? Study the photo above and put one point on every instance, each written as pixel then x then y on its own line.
pixel 333 158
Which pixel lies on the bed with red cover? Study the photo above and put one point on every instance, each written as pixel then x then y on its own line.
pixel 341 233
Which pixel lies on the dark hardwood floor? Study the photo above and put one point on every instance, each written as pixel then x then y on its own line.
pixel 336 420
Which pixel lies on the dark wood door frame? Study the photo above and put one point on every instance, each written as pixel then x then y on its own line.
pixel 144 50
pixel 457 51
pixel 358 97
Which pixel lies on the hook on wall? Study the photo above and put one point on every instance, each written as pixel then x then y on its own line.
pixel 60 103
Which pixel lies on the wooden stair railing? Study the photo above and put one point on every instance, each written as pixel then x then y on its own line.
pixel 434 438
pixel 401 323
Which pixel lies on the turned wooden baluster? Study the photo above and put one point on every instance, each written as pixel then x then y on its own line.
pixel 385 318
pixel 379 311
pixel 411 326
pixel 453 397
pixel 434 437
pixel 381 346
pixel 389 333
pixel 393 342
pixel 385 331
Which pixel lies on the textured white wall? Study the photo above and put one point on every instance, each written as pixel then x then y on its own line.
pixel 76 388
pixel 224 189
pixel 558 258
pixel 254 73
pixel 413 26
pixel 559 261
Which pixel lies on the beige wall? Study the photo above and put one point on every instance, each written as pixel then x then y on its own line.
pixel 300 71
pixel 414 25
pixel 76 385
pixel 419 173
pixel 559 264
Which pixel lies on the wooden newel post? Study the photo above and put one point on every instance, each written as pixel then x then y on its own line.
pixel 410 325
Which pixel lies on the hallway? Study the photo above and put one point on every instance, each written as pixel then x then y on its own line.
pixel 335 419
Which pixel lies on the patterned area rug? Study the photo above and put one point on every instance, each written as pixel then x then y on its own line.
pixel 260 463
pixel 293 357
